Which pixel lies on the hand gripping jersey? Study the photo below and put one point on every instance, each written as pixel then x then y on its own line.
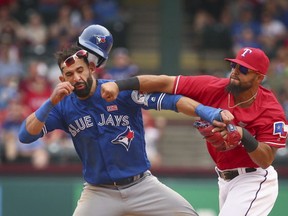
pixel 108 136
pixel 264 119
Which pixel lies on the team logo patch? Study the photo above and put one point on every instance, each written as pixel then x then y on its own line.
pixel 140 97
pixel 125 138
pixel 281 129
pixel 100 39
pixel 112 108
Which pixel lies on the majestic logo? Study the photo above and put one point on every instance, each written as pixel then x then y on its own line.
pixel 281 129
pixel 246 50
pixel 125 138
pixel 100 39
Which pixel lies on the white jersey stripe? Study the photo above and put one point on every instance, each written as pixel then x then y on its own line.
pixel 177 83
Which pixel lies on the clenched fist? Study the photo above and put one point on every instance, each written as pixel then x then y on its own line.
pixel 109 91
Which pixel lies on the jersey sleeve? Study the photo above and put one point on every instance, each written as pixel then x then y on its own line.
pixel 157 101
pixel 54 121
pixel 203 89
pixel 274 129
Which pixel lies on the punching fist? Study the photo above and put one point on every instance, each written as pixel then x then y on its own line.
pixel 109 91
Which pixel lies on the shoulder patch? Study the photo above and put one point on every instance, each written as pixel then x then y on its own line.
pixel 140 97
pixel 281 129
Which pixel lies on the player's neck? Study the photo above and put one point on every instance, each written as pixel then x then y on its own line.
pixel 244 99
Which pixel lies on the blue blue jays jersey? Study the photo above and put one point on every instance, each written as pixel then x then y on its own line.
pixel 108 136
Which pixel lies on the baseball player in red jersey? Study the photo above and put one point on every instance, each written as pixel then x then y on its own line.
pixel 248 183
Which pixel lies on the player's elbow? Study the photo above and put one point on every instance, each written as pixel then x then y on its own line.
pixel 25 137
pixel 264 164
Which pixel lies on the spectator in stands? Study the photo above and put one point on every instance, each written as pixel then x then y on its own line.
pixel 112 15
pixel 11 69
pixel 245 20
pixel 273 33
pixel 35 88
pixel 278 70
pixel 62 30
pixel 122 65
pixel 10 62
pixel 247 38
pixel 6 19
pixel 88 16
pixel 34 34
pixel 15 151
pixel 153 133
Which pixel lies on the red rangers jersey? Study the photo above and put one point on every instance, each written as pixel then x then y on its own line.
pixel 264 119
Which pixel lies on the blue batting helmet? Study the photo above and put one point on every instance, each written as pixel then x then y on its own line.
pixel 97 40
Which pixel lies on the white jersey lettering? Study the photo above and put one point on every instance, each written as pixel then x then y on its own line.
pixel 114 120
pixel 80 125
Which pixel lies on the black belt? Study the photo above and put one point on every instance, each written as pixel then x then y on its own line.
pixel 231 174
pixel 126 181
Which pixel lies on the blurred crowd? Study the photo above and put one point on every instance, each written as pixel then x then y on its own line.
pixel 32 30
pixel 230 25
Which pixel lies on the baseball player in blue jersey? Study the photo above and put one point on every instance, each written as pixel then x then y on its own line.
pixel 109 138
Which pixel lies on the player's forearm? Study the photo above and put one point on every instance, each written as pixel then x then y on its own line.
pixel 33 124
pixel 187 106
pixel 154 83
pixel 147 83
pixel 263 156
pixel 193 108
pixel 31 128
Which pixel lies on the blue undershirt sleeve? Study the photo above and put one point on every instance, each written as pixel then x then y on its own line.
pixel 25 136
pixel 161 101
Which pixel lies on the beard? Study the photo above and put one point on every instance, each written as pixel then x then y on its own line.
pixel 236 89
pixel 82 93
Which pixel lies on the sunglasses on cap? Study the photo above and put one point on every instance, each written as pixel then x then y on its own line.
pixel 242 69
pixel 71 59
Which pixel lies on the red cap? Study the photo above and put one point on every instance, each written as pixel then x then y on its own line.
pixel 252 58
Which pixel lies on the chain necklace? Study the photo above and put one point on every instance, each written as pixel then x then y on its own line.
pixel 253 97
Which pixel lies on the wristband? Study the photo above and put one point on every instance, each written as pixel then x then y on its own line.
pixel 208 113
pixel 128 84
pixel 44 110
pixel 248 141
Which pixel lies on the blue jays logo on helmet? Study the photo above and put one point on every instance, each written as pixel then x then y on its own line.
pixel 125 138
pixel 100 39
pixel 281 129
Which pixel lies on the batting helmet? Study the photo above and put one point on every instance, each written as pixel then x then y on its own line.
pixel 97 40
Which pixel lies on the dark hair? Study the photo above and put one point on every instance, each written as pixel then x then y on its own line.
pixel 62 55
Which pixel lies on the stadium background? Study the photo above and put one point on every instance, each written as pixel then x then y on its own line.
pixel 162 39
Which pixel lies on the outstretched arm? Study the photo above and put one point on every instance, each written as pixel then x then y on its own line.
pixel 154 83
pixel 144 83
pixel 163 83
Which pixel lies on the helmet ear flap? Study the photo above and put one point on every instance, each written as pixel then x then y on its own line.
pixel 100 61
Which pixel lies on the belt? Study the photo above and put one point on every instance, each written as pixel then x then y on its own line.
pixel 127 181
pixel 231 174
